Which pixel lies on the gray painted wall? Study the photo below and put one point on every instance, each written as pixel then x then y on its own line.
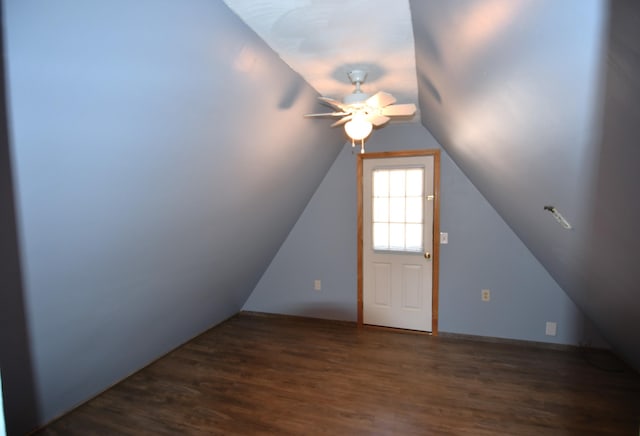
pixel 161 158
pixel 611 294
pixel 483 252
pixel 541 108
pixel 18 390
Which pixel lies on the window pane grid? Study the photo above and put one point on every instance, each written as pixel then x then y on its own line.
pixel 398 209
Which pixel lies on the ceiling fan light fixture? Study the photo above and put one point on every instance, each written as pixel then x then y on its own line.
pixel 359 112
pixel 359 127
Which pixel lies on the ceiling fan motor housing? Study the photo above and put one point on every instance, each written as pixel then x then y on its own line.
pixel 355 97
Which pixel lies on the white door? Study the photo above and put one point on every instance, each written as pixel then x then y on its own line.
pixel 397 215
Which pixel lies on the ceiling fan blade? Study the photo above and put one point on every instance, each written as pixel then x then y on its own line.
pixel 342 120
pixel 333 103
pixel 381 99
pixel 377 119
pixel 328 114
pixel 399 110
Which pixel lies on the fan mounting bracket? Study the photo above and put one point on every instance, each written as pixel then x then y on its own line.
pixel 357 76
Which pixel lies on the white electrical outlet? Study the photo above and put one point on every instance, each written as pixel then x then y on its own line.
pixel 317 285
pixel 551 329
pixel 486 295
pixel 444 238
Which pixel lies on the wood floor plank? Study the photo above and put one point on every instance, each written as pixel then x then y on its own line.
pixel 281 375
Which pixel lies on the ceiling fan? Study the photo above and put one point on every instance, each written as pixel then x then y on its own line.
pixel 360 111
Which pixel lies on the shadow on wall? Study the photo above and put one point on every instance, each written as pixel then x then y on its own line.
pixel 18 385
pixel 292 93
pixel 18 390
pixel 3 431
pixel 609 268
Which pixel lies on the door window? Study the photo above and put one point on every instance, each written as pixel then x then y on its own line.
pixel 398 209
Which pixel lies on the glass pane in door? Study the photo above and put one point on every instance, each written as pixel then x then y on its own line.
pixel 398 209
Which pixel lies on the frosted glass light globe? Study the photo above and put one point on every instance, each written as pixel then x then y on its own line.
pixel 359 127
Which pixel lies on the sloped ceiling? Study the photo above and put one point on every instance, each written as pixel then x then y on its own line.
pixel 535 100
pixel 537 103
pixel 325 39
pixel 160 158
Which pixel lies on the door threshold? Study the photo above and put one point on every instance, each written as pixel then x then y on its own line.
pixel 397 329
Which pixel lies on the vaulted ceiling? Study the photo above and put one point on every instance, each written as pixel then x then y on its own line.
pixel 324 40
pixel 536 101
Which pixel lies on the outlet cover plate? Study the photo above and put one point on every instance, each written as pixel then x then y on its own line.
pixel 486 295
pixel 551 329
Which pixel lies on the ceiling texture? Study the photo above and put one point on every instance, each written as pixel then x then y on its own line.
pixel 323 40
pixel 535 100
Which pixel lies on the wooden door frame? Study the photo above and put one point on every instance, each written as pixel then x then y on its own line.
pixel 436 226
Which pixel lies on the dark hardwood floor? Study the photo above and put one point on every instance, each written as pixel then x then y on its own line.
pixel 279 375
